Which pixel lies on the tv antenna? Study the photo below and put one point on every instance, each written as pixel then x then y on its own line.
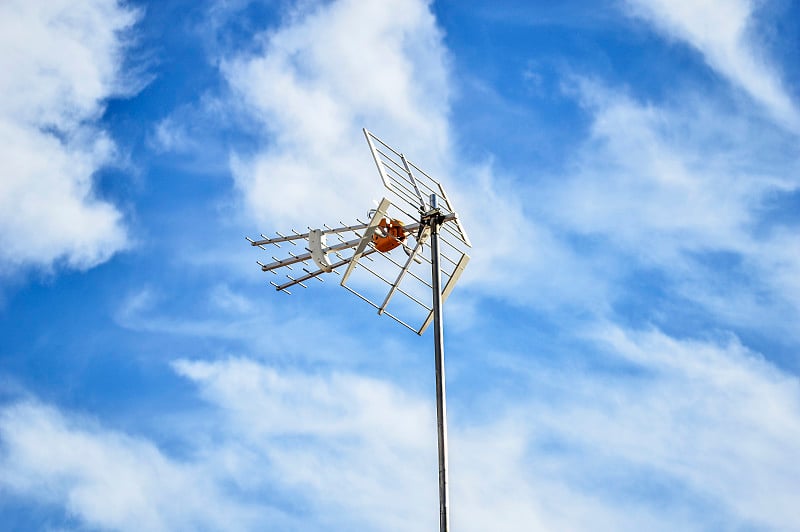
pixel 418 218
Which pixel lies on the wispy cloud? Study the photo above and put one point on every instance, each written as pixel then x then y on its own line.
pixel 108 479
pixel 722 31
pixel 321 447
pixel 685 427
pixel 693 420
pixel 657 433
pixel 330 70
pixel 345 441
pixel 252 325
pixel 684 187
pixel 61 64
pixel 712 415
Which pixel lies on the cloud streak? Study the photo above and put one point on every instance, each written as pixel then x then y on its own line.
pixel 722 31
pixel 105 478
pixel 683 188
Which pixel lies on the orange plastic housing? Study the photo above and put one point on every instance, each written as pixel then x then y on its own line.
pixel 388 235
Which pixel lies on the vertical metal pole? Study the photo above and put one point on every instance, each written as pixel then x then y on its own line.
pixel 441 405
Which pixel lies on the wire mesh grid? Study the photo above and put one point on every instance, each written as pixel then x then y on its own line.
pixel 411 187
pixel 404 290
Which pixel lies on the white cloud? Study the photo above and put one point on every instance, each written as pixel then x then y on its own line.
pixel 692 435
pixel 645 177
pixel 107 479
pixel 518 257
pixel 355 447
pixel 304 334
pixel 689 426
pixel 226 299
pixel 330 70
pixel 169 136
pixel 362 451
pixel 714 415
pixel 673 186
pixel 60 62
pixel 659 434
pixel 722 30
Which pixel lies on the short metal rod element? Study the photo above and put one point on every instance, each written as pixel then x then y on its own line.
pixel 438 338
pixel 402 274
pixel 414 183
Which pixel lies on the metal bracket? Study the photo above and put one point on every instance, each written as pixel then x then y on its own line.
pixel 316 243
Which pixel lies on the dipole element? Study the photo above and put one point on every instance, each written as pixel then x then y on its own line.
pixel 438 338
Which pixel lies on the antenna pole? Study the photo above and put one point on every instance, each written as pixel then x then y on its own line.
pixel 438 336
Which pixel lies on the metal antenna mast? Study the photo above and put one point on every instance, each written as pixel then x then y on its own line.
pixel 441 396
pixel 417 210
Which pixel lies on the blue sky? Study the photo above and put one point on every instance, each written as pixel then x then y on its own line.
pixel 621 350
